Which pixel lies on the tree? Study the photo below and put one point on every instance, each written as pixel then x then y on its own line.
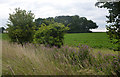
pixel 46 21
pixel 2 29
pixel 21 26
pixel 114 24
pixel 113 20
pixel 51 35
pixel 77 24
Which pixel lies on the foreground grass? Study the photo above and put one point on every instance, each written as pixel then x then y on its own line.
pixel 29 60
pixel 40 60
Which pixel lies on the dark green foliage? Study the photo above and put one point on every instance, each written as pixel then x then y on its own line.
pixel 21 26
pixel 51 35
pixel 47 21
pixel 113 20
pixel 2 29
pixel 77 24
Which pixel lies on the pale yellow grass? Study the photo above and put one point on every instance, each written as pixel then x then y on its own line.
pixel 18 60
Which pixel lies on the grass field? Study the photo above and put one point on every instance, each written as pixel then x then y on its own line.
pixel 4 37
pixel 95 40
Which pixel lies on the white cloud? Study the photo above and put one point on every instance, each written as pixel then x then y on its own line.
pixel 52 8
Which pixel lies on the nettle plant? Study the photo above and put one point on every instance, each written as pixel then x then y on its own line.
pixel 51 35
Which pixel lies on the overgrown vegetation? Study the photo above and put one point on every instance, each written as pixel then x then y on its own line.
pixel 39 60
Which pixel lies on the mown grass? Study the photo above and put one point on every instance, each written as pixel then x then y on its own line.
pixel 94 40
pixel 30 59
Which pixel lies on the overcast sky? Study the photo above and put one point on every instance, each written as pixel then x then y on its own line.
pixel 52 8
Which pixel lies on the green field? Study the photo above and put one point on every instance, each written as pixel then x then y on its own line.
pixel 94 40
pixel 4 37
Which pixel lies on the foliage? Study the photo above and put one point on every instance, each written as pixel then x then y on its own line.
pixel 47 21
pixel 51 35
pixel 77 24
pixel 21 26
pixel 113 20
pixel 2 29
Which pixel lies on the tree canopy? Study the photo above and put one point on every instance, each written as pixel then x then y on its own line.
pixel 2 29
pixel 77 24
pixel 113 20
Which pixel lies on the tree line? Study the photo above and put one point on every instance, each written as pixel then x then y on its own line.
pixel 75 23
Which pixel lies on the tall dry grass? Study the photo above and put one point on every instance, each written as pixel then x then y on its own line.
pixel 35 60
pixel 30 59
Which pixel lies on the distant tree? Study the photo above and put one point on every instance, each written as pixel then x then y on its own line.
pixel 2 29
pixel 63 19
pixel 113 20
pixel 20 26
pixel 46 21
pixel 77 24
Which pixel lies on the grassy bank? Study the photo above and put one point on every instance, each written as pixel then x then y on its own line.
pixel 40 60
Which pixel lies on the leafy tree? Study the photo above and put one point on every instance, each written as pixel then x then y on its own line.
pixel 21 26
pixel 46 21
pixel 77 24
pixel 51 35
pixel 113 20
pixel 2 29
pixel 114 24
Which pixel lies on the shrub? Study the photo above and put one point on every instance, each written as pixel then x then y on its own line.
pixel 20 26
pixel 51 35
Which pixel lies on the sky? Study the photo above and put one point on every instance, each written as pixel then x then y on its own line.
pixel 52 8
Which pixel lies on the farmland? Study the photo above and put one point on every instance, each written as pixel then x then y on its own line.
pixel 94 40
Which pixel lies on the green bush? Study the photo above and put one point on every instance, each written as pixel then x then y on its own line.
pixel 21 26
pixel 51 35
pixel 21 35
